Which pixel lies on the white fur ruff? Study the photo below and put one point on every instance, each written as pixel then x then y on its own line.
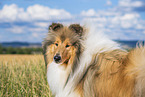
pixel 56 77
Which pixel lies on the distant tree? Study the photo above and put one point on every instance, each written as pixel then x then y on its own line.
pixel 11 50
pixel 1 49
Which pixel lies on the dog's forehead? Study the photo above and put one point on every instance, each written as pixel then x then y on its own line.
pixel 62 37
pixel 65 42
pixel 66 34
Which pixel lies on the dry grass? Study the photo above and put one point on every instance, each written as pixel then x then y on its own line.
pixel 23 76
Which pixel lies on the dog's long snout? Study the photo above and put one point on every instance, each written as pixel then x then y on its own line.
pixel 57 58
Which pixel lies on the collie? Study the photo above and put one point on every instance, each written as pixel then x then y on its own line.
pixel 83 63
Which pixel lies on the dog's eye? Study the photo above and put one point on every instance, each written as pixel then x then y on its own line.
pixel 67 46
pixel 56 44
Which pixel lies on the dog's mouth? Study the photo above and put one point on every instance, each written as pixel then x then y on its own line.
pixel 58 62
pixel 66 61
pixel 62 62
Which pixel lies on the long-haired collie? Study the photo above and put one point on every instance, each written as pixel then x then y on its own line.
pixel 83 63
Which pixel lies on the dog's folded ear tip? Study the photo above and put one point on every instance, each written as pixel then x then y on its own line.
pixel 76 28
pixel 55 26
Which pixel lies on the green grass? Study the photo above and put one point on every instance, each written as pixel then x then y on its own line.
pixel 23 76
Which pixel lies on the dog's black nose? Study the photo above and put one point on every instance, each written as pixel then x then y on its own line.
pixel 57 58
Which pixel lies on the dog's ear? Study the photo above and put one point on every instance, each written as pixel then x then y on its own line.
pixel 76 28
pixel 55 26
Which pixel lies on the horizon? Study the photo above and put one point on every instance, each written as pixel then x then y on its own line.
pixel 28 20
pixel 41 42
pixel 126 44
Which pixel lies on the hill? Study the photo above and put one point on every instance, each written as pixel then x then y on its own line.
pixel 20 44
pixel 124 43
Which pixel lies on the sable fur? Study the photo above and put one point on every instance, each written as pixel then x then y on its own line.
pixel 96 67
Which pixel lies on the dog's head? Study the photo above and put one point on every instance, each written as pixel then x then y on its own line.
pixel 63 44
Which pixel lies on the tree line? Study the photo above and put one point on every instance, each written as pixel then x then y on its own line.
pixel 18 50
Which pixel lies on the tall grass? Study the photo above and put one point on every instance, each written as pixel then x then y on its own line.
pixel 23 76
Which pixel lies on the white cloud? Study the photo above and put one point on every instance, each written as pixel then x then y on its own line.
pixel 130 16
pixel 36 35
pixel 41 24
pixel 39 12
pixel 114 19
pixel 108 3
pixel 16 29
pixel 26 29
pixel 118 24
pixel 137 4
pixel 10 13
pixel 140 26
pixel 90 12
pixel 128 20
pixel 130 3
pixel 37 30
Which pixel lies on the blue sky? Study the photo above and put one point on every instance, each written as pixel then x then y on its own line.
pixel 28 20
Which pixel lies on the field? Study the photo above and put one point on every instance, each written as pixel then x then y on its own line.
pixel 23 76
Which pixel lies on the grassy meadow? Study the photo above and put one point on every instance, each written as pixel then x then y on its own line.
pixel 23 76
